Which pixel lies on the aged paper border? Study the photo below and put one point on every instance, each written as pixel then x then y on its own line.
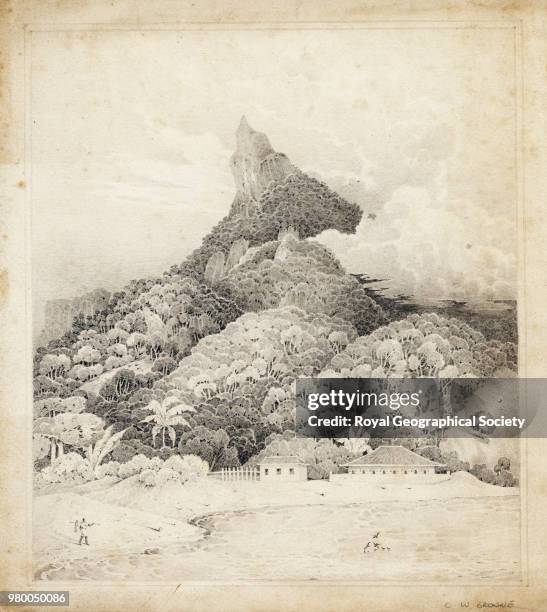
pixel 251 27
pixel 528 22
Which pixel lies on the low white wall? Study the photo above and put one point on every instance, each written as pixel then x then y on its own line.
pixel 388 478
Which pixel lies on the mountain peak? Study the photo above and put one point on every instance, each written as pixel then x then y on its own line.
pixel 255 163
pixel 251 143
pixel 244 125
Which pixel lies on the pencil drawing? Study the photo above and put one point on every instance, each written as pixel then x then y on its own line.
pixel 164 444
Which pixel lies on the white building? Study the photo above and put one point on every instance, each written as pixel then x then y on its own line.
pixel 282 468
pixel 395 463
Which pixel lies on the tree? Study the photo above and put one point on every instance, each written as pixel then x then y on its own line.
pixel 164 365
pixel 56 405
pixel 44 385
pixel 211 446
pixel 339 340
pixel 54 366
pixel 166 415
pixel 120 385
pixel 117 350
pixel 453 462
pixel 503 464
pixel 41 447
pixel 504 478
pixel 102 447
pixel 137 341
pixel 87 356
pixel 482 472
pixel 77 430
pixel 433 453
pixel 48 407
pixel 155 345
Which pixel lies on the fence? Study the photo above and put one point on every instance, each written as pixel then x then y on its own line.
pixel 237 474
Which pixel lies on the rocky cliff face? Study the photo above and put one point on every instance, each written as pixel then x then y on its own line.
pixel 60 313
pixel 255 164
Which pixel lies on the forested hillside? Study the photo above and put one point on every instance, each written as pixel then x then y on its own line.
pixel 202 360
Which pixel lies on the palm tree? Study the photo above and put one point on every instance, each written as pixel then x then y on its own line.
pixel 104 445
pixel 165 416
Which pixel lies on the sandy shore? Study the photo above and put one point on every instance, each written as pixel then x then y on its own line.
pixel 140 524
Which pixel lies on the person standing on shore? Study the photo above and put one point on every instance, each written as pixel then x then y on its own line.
pixel 81 527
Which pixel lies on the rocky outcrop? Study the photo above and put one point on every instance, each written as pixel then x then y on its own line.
pixel 60 313
pixel 255 164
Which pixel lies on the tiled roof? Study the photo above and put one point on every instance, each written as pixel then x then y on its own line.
pixel 281 459
pixel 392 455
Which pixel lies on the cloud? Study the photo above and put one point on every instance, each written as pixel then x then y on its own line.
pixel 131 150
pixel 432 248
pixel 429 227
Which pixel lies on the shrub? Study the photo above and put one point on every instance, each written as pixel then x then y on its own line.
pixel 166 452
pixel 503 464
pixel 195 468
pixel 453 462
pixel 128 449
pixel 154 472
pixel 108 469
pixel 433 453
pixel 135 466
pixel 69 468
pixel 165 475
pixel 505 479
pixel 483 473
pixel 147 478
pixel 500 475
pixel 155 463
pixel 124 452
pixel 176 463
pixel 188 467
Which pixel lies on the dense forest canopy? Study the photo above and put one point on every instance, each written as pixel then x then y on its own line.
pixel 203 359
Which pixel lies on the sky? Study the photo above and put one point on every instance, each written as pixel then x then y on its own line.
pixel 132 134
